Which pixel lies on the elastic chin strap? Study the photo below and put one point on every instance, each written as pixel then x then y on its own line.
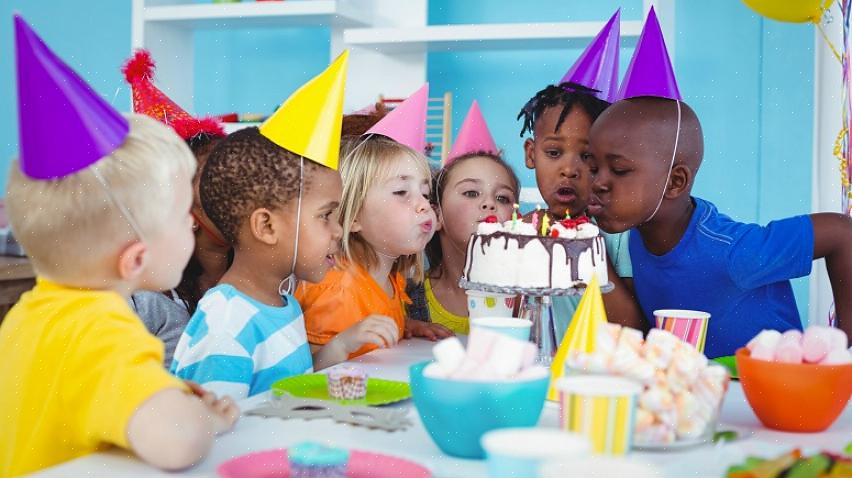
pixel 118 204
pixel 671 166
pixel 288 285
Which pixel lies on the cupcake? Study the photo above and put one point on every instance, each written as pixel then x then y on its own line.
pixel 347 383
pixel 312 460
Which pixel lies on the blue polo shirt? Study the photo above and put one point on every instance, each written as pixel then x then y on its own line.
pixel 739 273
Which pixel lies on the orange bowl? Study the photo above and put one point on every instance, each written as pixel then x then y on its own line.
pixel 794 397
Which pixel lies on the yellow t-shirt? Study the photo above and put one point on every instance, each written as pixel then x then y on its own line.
pixel 439 315
pixel 76 366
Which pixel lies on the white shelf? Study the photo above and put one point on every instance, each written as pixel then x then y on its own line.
pixel 231 127
pixel 257 14
pixel 482 36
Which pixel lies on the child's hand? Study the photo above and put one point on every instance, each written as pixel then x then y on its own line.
pixel 426 330
pixel 225 411
pixel 375 329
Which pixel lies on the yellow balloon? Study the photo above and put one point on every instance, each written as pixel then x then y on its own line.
pixel 794 11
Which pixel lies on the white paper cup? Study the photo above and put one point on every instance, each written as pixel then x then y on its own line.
pixel 517 328
pixel 519 452
pixel 598 467
pixel 490 304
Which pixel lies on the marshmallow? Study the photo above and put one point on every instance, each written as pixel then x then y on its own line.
pixel 449 353
pixel 656 434
pixel 656 399
pixel 508 356
pixel 480 343
pixel 607 337
pixel 837 357
pixel 763 345
pixel 789 348
pixel 434 370
pixel 631 338
pixel 818 341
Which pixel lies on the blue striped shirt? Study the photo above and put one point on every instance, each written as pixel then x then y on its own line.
pixel 237 346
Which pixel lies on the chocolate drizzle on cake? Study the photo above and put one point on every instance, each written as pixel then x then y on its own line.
pixel 573 249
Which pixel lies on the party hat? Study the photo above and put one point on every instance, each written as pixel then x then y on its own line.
pixel 473 136
pixel 308 123
pixel 64 126
pixel 597 67
pixel 580 336
pixel 650 72
pixel 406 124
pixel 149 100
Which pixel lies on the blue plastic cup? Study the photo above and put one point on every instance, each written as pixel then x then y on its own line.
pixel 520 452
pixel 517 328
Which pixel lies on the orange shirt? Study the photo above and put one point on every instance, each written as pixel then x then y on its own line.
pixel 347 295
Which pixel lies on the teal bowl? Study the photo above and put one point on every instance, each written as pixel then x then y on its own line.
pixel 456 414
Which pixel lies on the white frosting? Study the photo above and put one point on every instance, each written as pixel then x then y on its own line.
pixel 486 228
pixel 500 261
pixel 519 227
pixel 587 231
pixel 564 232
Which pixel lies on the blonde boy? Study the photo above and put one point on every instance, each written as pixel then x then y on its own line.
pixel 81 371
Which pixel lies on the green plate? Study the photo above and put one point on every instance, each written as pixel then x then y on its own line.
pixel 730 363
pixel 379 391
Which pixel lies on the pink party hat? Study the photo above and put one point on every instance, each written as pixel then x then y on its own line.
pixel 64 125
pixel 473 136
pixel 406 124
pixel 650 72
pixel 597 67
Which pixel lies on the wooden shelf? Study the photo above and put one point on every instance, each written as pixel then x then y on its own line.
pixel 483 36
pixel 289 13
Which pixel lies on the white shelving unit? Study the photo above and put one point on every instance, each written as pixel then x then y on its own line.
pixel 388 39
pixel 257 14
pixel 482 36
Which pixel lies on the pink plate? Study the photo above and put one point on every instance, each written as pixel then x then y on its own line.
pixel 273 464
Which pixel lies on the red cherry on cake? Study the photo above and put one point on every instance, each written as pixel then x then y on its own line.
pixel 582 220
pixel 491 220
pixel 554 233
pixel 568 223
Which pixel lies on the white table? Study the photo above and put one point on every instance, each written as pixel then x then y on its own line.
pixel 255 434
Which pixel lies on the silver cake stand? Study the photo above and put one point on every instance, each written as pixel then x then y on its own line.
pixel 537 307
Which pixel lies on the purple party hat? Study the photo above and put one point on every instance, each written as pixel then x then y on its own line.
pixel 650 72
pixel 64 125
pixel 597 67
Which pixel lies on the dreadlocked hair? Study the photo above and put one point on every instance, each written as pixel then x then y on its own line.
pixel 434 251
pixel 565 94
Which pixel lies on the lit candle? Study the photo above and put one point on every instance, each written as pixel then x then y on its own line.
pixel 567 214
pixel 515 216
pixel 535 216
pixel 545 224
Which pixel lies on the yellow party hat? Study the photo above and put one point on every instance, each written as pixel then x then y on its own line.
pixel 308 123
pixel 580 336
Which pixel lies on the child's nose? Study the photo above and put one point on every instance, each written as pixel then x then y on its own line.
pixel 488 205
pixel 337 231
pixel 571 169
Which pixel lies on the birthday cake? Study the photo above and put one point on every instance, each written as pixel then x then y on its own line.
pixel 518 254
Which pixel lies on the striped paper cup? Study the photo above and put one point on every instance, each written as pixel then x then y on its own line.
pixel 688 325
pixel 601 408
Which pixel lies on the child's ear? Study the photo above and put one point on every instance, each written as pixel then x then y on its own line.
pixel 356 226
pixel 439 224
pixel 529 153
pixel 132 261
pixel 680 181
pixel 262 225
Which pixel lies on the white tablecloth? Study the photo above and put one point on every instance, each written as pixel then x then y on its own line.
pixel 254 434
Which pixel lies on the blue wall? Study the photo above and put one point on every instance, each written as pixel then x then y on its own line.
pixel 750 80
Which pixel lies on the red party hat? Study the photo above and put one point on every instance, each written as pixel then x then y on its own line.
pixel 149 100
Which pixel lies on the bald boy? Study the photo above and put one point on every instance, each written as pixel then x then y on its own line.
pixel 645 154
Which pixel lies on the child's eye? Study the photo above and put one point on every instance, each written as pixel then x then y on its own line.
pixel 400 193
pixel 504 200
pixel 586 156
pixel 471 194
pixel 553 153
pixel 620 172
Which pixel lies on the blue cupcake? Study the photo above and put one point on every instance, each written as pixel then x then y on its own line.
pixel 312 460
